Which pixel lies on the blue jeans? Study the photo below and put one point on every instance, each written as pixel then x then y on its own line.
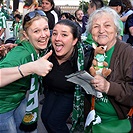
pixel 10 121
pixel 57 107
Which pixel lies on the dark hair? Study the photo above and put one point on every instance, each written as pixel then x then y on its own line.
pixel 1 1
pixel 18 16
pixel 97 3
pixel 77 11
pixel 71 17
pixel 74 28
pixel 128 5
pixel 65 14
pixel 52 3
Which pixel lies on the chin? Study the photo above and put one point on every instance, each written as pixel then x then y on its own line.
pixel 102 43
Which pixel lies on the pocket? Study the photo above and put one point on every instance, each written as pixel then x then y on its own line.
pixel 7 123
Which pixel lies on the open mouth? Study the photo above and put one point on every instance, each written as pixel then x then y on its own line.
pixel 58 47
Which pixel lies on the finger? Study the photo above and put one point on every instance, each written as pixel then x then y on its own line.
pixel 48 54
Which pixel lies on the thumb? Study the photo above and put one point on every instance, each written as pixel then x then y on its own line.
pixel 48 54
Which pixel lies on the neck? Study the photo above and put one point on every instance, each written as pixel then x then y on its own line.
pixel 111 44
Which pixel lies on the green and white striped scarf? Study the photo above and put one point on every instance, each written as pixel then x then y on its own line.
pixel 78 104
pixel 29 122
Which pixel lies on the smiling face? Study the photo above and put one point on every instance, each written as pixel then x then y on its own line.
pixel 104 30
pixel 38 34
pixel 46 5
pixel 63 42
pixel 79 15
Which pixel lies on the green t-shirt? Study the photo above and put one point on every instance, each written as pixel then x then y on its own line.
pixel 103 106
pixel 12 94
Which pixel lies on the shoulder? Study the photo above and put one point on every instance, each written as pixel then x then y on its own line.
pixel 123 48
pixel 17 56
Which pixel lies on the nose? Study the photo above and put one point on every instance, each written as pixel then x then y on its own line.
pixel 43 34
pixel 101 29
pixel 58 37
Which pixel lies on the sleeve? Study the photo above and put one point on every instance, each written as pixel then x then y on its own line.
pixel 130 21
pixel 15 57
pixel 121 84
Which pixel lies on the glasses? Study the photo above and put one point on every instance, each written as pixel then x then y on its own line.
pixel 31 15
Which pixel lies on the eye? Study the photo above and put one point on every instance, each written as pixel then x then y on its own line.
pixel 107 25
pixel 64 35
pixel 54 33
pixel 95 26
pixel 36 31
pixel 46 29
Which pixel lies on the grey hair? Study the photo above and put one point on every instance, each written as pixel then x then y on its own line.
pixel 99 12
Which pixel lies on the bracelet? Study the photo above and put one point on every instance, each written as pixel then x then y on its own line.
pixel 20 71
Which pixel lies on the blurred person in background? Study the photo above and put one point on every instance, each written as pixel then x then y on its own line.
pixel 117 5
pixel 2 24
pixel 79 16
pixel 129 29
pixel 64 15
pixel 126 11
pixel 92 6
pixel 48 6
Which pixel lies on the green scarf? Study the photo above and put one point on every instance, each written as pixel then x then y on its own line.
pixel 78 104
pixel 29 122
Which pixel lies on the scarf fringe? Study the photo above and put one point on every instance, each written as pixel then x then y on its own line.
pixel 28 128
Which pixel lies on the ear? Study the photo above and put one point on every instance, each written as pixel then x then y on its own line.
pixel 25 35
pixel 75 41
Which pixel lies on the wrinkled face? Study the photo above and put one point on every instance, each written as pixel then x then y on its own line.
pixel 46 5
pixel 38 34
pixel 104 30
pixel 63 42
pixel 79 15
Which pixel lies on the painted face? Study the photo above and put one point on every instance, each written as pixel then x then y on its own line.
pixel 104 30
pixel 46 5
pixel 63 42
pixel 38 34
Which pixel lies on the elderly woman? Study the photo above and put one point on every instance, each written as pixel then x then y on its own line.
pixel 117 88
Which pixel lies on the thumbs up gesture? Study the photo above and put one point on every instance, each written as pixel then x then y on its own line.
pixel 42 66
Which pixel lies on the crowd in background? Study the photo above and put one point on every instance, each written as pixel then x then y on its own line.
pixel 54 14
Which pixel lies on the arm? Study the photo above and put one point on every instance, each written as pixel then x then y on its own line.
pixel 5 48
pixel 124 18
pixel 2 31
pixel 119 83
pixel 41 67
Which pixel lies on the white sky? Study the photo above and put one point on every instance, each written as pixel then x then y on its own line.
pixel 69 2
